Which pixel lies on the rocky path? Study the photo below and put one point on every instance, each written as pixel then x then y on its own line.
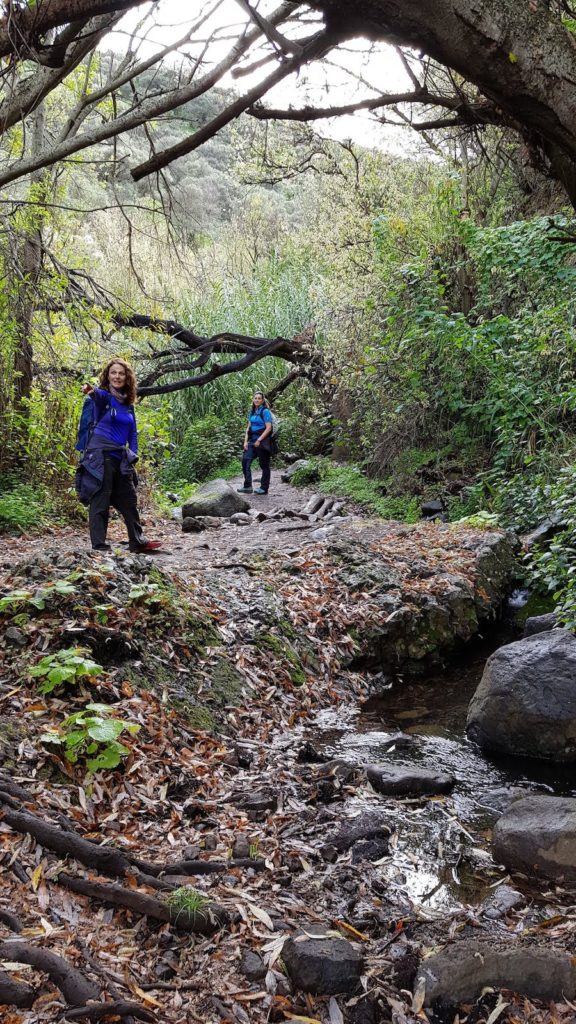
pixel 256 629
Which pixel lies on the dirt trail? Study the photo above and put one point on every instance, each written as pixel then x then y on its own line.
pixel 180 550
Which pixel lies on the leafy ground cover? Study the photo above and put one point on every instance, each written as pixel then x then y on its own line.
pixel 233 799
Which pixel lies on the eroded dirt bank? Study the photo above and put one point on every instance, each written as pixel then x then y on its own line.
pixel 227 656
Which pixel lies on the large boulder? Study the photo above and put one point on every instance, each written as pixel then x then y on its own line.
pixel 526 701
pixel 537 834
pixel 215 498
pixel 460 972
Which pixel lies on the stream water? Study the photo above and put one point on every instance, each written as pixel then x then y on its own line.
pixel 440 854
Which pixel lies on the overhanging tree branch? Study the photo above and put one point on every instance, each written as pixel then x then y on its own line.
pixel 315 47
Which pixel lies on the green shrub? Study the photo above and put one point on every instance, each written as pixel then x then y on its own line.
pixel 22 508
pixel 91 735
pixel 208 445
pixel 349 481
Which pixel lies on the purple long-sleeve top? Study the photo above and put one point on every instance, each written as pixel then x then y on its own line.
pixel 116 422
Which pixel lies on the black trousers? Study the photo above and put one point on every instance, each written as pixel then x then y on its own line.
pixel 263 456
pixel 119 491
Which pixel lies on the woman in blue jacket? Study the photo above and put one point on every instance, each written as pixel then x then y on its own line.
pixel 110 453
pixel 257 444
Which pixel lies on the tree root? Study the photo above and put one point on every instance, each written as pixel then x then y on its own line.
pixel 106 859
pixel 16 993
pixel 75 988
pixel 103 859
pixel 198 867
pixel 119 1008
pixel 10 919
pixel 205 921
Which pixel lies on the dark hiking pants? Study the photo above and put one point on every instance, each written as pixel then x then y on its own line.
pixel 119 491
pixel 263 457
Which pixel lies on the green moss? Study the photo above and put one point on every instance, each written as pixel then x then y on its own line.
pixel 226 683
pixel 286 654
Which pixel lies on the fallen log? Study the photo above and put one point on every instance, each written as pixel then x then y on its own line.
pixel 313 505
pixel 323 509
pixel 76 989
pixel 205 920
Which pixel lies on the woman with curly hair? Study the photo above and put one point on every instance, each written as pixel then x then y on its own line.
pixel 108 475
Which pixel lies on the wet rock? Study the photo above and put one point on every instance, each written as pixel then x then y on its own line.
pixel 538 834
pixel 257 804
pixel 503 900
pixel 461 971
pixel 369 849
pixel 366 826
pixel 252 965
pixel 525 703
pixel 215 498
pixel 309 754
pixel 322 965
pixel 397 780
pixel 539 623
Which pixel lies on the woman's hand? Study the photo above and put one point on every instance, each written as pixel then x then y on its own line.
pixel 256 443
pixel 245 446
pixel 87 389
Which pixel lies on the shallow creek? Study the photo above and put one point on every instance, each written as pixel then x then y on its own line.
pixel 440 847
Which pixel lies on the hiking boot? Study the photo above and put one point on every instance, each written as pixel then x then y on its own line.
pixel 244 490
pixel 101 547
pixel 260 491
pixel 146 546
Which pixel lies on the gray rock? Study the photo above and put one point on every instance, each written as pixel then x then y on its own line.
pixel 323 965
pixel 288 473
pixel 460 972
pixel 539 624
pixel 367 826
pixel 545 531
pixel 191 525
pixel 526 701
pixel 503 899
pixel 176 514
pixel 215 498
pixel 252 965
pixel 398 780
pixel 241 519
pixel 537 834
pixel 209 522
pixel 15 636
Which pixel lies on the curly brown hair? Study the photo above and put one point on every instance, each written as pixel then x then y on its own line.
pixel 130 387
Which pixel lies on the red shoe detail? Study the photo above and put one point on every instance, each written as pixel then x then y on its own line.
pixel 148 545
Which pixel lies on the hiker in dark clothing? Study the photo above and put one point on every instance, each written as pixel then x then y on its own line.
pixel 107 467
pixel 257 444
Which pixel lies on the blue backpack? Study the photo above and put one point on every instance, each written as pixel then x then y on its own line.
pixel 86 424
